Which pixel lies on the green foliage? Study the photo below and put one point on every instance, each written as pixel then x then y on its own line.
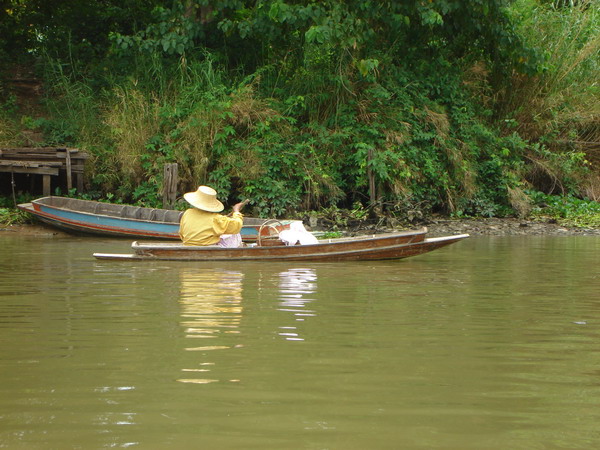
pixel 172 31
pixel 362 106
pixel 556 172
pixel 385 145
pixel 331 235
pixel 10 202
pixel 12 217
pixel 567 210
pixel 56 131
pixel 77 30
pixel 9 127
pixel 335 218
pixel 146 194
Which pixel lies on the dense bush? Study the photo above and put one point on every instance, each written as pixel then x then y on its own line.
pixel 403 108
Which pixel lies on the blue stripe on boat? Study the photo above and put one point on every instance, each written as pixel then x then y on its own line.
pixel 119 224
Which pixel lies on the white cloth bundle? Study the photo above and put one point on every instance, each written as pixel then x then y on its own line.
pixel 297 233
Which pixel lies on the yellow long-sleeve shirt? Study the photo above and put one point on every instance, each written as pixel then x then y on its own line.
pixel 199 227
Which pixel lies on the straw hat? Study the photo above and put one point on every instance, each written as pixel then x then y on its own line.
pixel 205 198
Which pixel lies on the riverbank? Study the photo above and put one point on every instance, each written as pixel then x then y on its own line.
pixel 436 227
pixel 504 227
pixel 33 229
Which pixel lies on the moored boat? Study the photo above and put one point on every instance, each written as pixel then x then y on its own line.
pixel 361 248
pixel 109 219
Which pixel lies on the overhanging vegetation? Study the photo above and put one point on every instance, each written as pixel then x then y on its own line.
pixel 400 108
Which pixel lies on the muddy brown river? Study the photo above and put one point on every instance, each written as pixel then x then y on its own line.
pixel 492 343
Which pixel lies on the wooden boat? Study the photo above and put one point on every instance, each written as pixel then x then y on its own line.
pixel 362 248
pixel 108 219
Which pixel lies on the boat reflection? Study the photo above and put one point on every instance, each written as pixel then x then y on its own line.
pixel 211 307
pixel 295 289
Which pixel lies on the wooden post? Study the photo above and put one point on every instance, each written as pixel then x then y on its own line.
pixel 170 180
pixel 373 196
pixel 69 174
pixel 371 178
pixel 46 185
pixel 79 178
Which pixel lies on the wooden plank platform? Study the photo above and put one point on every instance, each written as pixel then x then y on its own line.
pixel 45 161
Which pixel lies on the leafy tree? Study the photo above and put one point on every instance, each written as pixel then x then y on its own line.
pixel 68 28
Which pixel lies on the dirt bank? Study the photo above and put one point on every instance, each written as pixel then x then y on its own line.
pixel 503 227
pixel 436 227
pixel 32 230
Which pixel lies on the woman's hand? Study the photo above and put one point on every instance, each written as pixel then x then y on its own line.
pixel 238 206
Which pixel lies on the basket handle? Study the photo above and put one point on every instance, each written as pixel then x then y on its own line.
pixel 269 224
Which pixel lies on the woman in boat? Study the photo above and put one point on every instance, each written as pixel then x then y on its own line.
pixel 203 225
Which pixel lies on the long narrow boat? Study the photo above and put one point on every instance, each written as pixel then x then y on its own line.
pixel 108 219
pixel 362 248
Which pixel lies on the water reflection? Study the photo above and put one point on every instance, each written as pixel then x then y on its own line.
pixel 211 307
pixel 296 287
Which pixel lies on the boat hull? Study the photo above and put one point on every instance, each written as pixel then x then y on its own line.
pixel 364 248
pixel 89 224
pixel 106 219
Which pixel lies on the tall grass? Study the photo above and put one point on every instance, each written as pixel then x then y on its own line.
pixel 133 119
pixel 564 100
